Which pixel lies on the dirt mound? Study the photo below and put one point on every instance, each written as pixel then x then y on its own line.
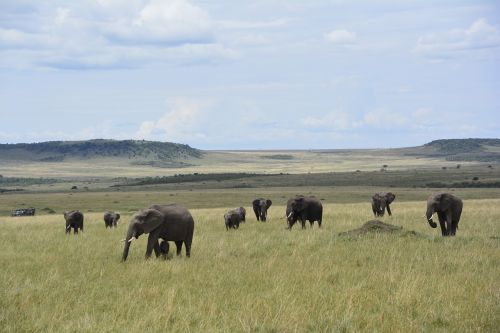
pixel 379 227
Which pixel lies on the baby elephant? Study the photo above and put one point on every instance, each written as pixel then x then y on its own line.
pixel 234 217
pixel 74 219
pixel 163 249
pixel 111 219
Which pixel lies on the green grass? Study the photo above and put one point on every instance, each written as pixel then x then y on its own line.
pixel 131 201
pixel 260 278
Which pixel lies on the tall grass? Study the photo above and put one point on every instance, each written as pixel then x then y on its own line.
pixel 260 278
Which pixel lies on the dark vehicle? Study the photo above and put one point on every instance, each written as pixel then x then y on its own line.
pixel 23 212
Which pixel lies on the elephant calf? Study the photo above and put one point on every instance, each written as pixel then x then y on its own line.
pixel 380 201
pixel 448 208
pixel 163 249
pixel 111 219
pixel 233 218
pixel 74 219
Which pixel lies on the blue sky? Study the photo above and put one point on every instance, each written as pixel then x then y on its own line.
pixel 250 74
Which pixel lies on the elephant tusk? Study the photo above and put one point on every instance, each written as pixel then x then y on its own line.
pixel 291 213
pixel 131 239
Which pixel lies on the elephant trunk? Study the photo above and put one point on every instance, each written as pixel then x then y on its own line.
pixel 128 241
pixel 428 215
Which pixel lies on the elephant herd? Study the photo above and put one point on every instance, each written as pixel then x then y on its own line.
pixel 171 222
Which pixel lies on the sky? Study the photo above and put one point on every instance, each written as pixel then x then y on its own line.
pixel 261 74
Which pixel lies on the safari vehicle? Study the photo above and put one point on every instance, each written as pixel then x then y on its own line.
pixel 23 212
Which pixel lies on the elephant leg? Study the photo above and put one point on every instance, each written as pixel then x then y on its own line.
pixel 75 230
pixel 451 226
pixel 319 223
pixel 152 241
pixel 453 230
pixel 442 224
pixel 156 248
pixel 389 210
pixel 178 245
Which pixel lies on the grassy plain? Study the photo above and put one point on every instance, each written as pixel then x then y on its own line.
pixel 260 278
pixel 270 162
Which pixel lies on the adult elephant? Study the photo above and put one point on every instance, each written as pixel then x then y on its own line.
pixel 448 208
pixel 168 222
pixel 74 219
pixel 304 209
pixel 260 207
pixel 111 219
pixel 233 218
pixel 381 201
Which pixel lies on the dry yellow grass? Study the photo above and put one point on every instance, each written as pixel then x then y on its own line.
pixel 233 161
pixel 260 278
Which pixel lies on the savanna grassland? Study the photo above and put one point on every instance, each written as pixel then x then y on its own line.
pixel 260 278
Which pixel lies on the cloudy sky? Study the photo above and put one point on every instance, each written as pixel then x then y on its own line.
pixel 250 74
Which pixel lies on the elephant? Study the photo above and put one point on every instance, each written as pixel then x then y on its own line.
pixel 163 249
pixel 111 219
pixel 74 219
pixel 448 208
pixel 260 207
pixel 380 201
pixel 303 209
pixel 169 222
pixel 233 218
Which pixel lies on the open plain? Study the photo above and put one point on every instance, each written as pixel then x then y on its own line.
pixel 261 277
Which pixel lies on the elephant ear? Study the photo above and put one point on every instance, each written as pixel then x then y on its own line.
pixel 255 203
pixel 268 203
pixel 390 197
pixel 150 220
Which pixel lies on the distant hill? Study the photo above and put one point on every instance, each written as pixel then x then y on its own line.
pixel 482 150
pixel 138 151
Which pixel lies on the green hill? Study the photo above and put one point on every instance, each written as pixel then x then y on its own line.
pixel 139 151
pixel 481 150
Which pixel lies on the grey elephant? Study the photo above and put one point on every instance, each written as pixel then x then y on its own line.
pixel 381 201
pixel 74 219
pixel 448 208
pixel 260 207
pixel 168 222
pixel 163 249
pixel 233 218
pixel 111 219
pixel 304 209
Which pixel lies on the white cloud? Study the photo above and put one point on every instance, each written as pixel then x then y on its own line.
pixel 165 21
pixel 108 35
pixel 181 124
pixel 341 37
pixel 232 24
pixel 336 120
pixel 480 35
